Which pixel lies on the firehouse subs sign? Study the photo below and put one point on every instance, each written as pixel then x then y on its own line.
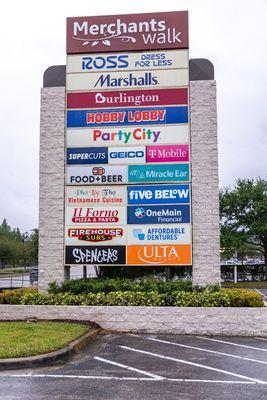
pixel 128 192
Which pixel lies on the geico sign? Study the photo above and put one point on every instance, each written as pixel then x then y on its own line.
pixel 131 155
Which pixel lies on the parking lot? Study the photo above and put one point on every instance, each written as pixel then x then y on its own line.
pixel 167 367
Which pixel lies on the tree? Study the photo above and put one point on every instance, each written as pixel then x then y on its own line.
pixel 243 217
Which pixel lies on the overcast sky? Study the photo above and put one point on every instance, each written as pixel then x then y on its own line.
pixel 232 34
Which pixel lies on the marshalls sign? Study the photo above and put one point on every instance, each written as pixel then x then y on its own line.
pixel 128 191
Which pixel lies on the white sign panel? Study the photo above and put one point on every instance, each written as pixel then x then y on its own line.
pixel 130 80
pixel 128 136
pixel 127 155
pixel 159 234
pixel 97 235
pixel 95 195
pixel 97 175
pixel 109 62
pixel 91 216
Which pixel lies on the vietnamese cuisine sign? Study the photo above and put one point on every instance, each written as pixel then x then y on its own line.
pixel 127 175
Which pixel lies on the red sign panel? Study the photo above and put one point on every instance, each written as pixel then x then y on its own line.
pixel 149 31
pixel 129 98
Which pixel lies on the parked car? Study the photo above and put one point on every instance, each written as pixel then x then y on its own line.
pixel 34 275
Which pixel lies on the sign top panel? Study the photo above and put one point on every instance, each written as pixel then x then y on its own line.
pixel 168 30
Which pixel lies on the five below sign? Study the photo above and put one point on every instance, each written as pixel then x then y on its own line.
pixel 167 30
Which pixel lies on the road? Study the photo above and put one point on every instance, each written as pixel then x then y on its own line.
pixel 149 367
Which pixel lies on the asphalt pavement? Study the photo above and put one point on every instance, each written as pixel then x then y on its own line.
pixel 149 367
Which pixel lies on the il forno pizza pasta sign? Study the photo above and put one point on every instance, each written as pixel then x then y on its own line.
pixel 149 31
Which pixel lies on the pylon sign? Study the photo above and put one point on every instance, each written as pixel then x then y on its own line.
pixel 127 181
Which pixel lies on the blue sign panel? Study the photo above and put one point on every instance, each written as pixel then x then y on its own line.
pixel 127 116
pixel 158 173
pixel 87 155
pixel 172 214
pixel 160 194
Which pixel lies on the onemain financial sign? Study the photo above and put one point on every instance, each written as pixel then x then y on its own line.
pixel 127 181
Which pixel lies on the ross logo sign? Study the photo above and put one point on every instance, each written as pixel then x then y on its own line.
pixel 89 155
pixel 95 255
pixel 170 153
pixel 99 236
pixel 168 254
pixel 84 195
pixel 158 234
pixel 172 214
pixel 96 215
pixel 161 194
pixel 158 173
pixel 127 32
pixel 129 98
pixel 97 175
pixel 127 136
pixel 170 59
pixel 120 80
pixel 126 155
pixel 127 116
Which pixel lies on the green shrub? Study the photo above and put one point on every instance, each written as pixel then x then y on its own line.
pixel 13 296
pixel 244 298
pixel 206 298
pixel 83 286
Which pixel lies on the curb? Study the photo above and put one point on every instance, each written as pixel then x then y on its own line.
pixel 50 358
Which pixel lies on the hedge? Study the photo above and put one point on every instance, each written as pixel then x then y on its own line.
pixel 84 286
pixel 204 298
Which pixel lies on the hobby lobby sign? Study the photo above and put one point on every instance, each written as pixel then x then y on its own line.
pixel 167 30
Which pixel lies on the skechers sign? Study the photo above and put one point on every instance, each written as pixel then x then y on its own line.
pixel 158 173
pixel 165 194
pixel 174 59
pixel 172 214
pixel 89 155
pixel 166 30
pixel 128 116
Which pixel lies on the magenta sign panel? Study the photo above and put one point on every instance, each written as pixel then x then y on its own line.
pixel 129 98
pixel 167 30
pixel 171 153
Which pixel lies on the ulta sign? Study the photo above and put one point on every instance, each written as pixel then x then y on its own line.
pixel 149 31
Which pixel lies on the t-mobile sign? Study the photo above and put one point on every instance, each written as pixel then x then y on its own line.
pixel 168 30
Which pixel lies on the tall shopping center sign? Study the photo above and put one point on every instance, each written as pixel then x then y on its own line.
pixel 128 154
pixel 127 195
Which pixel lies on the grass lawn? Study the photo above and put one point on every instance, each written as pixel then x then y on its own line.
pixel 21 339
pixel 246 285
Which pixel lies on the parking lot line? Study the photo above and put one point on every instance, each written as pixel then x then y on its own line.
pixel 231 343
pixel 124 378
pixel 140 371
pixel 261 338
pixel 205 350
pixel 178 360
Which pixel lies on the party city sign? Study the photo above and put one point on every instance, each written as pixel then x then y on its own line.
pixel 166 30
pixel 127 136
pixel 172 59
pixel 158 173
pixel 127 116
pixel 118 80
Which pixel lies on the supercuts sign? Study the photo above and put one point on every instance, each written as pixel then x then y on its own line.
pixel 127 32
